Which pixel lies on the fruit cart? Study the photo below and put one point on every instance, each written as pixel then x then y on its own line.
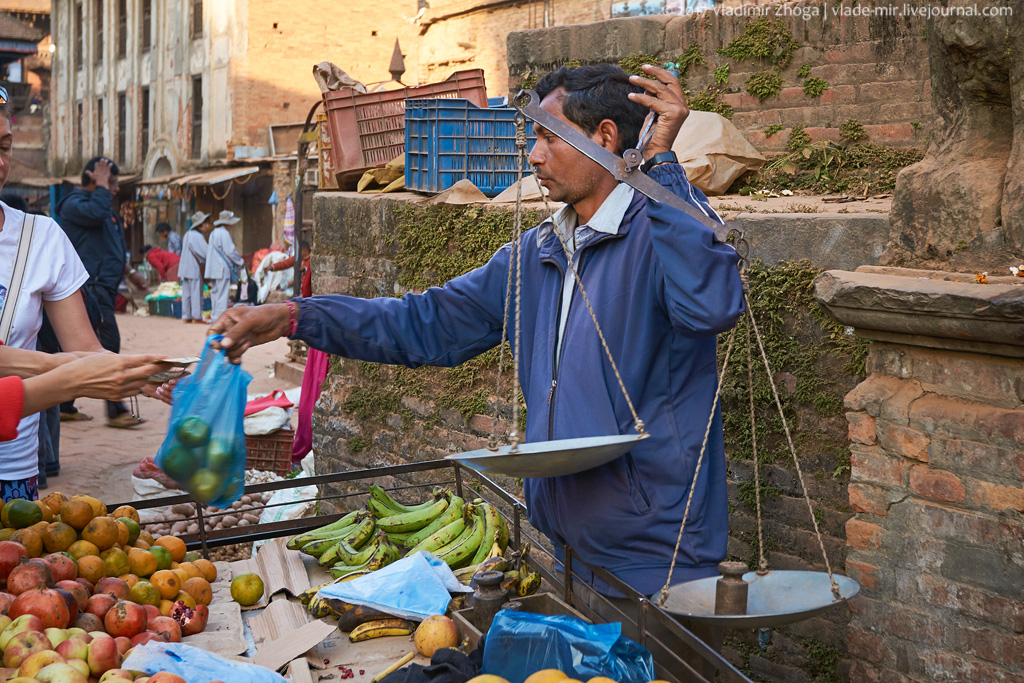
pixel 678 654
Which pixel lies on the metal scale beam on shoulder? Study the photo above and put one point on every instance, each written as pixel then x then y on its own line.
pixel 625 168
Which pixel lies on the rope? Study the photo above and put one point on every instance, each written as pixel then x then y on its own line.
pixel 663 596
pixel 792 449
pixel 638 423
pixel 762 564
pixel 514 436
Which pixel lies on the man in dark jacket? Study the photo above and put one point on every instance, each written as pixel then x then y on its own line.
pixel 660 284
pixel 88 217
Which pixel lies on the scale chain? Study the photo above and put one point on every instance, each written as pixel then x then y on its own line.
pixel 792 449
pixel 663 596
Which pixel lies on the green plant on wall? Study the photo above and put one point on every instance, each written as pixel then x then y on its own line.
pixel 764 84
pixel 852 131
pixel 763 39
pixel 722 74
pixel 815 86
pixel 804 71
pixel 631 63
pixel 798 139
pixel 773 129
pixel 694 56
pixel 707 100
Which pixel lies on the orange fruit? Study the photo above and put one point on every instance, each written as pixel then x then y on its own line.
pixel 123 534
pixel 77 513
pixel 146 537
pixel 91 568
pixel 173 544
pixel 127 511
pixel 116 561
pixel 182 575
pixel 55 501
pixel 102 532
pixel 141 562
pixel 40 527
pixel 174 565
pixel 141 545
pixel 6 533
pixel 162 555
pixel 192 570
pixel 129 579
pixel 184 597
pixel 247 589
pixel 98 508
pixel 546 676
pixel 145 593
pixel 167 582
pixel 32 541
pixel 80 549
pixel 199 589
pixel 165 607
pixel 206 567
pixel 47 512
pixel 58 537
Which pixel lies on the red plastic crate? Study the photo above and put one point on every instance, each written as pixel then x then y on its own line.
pixel 270 452
pixel 368 129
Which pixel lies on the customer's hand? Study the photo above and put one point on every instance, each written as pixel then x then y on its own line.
pixel 109 376
pixel 162 392
pixel 101 173
pixel 247 326
pixel 665 98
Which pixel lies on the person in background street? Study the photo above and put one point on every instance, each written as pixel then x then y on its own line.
pixel 222 258
pixel 190 269
pixel 165 262
pixel 173 239
pixel 306 253
pixel 660 283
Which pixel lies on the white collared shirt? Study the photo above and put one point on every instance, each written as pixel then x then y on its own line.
pixel 606 220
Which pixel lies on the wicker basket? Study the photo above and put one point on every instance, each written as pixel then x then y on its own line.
pixel 270 452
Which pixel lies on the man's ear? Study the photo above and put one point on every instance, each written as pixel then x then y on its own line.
pixel 607 135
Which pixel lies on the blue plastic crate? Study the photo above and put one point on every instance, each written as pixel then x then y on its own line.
pixel 448 140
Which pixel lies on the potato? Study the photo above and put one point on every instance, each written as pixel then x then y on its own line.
pixel 186 509
pixel 193 528
pixel 179 528
pixel 230 521
pixel 243 522
pixel 251 519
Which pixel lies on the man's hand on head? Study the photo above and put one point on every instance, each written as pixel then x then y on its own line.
pixel 247 326
pixel 665 98
pixel 101 173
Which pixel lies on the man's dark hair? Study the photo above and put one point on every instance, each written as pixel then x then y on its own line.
pixel 596 93
pixel 145 249
pixel 303 244
pixel 91 166
pixel 163 227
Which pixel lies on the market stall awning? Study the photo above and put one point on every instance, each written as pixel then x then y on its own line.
pixel 218 176
pixel 162 180
pixel 50 181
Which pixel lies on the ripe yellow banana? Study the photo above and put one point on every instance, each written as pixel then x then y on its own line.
pixel 380 628
pixel 492 520
pixel 529 585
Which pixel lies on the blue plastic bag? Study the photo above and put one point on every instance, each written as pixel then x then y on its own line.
pixel 204 450
pixel 415 587
pixel 521 643
pixel 196 665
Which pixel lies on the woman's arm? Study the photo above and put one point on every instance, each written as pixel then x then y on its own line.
pixel 71 323
pixel 103 375
pixel 24 363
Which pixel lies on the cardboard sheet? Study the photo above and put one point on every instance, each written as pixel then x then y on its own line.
pixel 281 570
pixel 279 652
pixel 225 631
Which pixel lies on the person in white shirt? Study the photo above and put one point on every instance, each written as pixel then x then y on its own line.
pixel 222 256
pixel 190 269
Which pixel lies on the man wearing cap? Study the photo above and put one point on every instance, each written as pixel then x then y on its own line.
pixel 223 258
pixel 173 239
pixel 192 265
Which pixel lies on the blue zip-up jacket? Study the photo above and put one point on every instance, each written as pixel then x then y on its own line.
pixel 662 288
pixel 97 234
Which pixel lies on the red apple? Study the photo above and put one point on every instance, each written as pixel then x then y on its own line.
pixel 22 646
pixel 103 656
pixel 76 647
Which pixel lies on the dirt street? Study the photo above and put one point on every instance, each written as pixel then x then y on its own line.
pixel 98 460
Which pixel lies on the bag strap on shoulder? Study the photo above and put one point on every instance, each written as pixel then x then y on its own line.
pixel 28 226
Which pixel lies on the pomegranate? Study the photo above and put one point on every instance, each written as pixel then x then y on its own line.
pixel 62 566
pixel 45 603
pixel 71 601
pixel 148 637
pixel 126 619
pixel 192 621
pixel 11 553
pixel 167 627
pixel 100 604
pixel 87 585
pixel 116 587
pixel 89 622
pixel 152 612
pixel 29 574
pixel 5 602
pixel 76 589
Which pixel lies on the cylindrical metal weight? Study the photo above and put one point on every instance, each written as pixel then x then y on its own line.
pixel 488 599
pixel 731 589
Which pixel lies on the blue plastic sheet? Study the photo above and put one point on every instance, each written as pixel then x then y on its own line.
pixel 195 665
pixel 415 587
pixel 521 643
pixel 204 450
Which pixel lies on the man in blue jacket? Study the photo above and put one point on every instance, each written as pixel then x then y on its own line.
pixel 87 216
pixel 661 286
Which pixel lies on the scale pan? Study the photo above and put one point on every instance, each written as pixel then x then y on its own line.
pixel 549 458
pixel 775 599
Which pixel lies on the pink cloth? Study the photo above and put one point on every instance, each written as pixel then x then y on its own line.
pixel 312 381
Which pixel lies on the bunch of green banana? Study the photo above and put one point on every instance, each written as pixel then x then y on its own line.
pixel 381 504
pixel 385 554
pixel 333 529
pixel 495 531
pixel 491 564
pixel 392 626
pixel 414 520
pixel 356 537
pixel 460 552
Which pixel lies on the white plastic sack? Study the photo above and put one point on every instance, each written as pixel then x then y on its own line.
pixel 713 152
pixel 285 504
pixel 415 587
pixel 266 421
pixel 196 665
pixel 147 489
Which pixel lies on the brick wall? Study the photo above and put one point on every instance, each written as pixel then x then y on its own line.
pixel 876 67
pixel 936 482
